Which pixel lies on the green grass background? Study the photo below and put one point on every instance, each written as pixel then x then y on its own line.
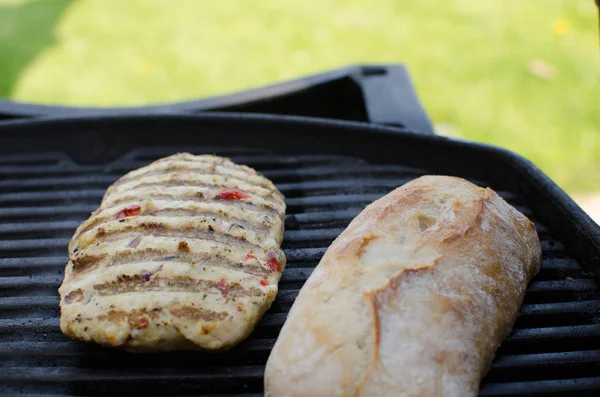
pixel 468 58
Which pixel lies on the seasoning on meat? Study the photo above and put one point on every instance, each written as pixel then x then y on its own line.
pixel 182 254
pixel 273 262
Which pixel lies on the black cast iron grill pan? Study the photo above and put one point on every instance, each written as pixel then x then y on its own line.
pixel 54 172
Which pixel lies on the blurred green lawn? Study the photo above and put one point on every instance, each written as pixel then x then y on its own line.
pixel 520 74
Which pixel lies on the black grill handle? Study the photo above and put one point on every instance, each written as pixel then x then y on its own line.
pixel 380 94
pixel 390 98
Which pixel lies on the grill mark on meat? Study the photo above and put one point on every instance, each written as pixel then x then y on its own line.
pixel 89 263
pixel 84 262
pixel 207 158
pixel 207 170
pixel 193 196
pixel 74 296
pixel 114 316
pixel 135 283
pixel 198 313
pixel 177 180
pixel 191 230
pixel 179 212
pixel 189 235
pixel 207 161
pixel 133 317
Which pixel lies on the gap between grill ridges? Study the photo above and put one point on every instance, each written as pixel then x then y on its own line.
pixel 69 347
pixel 277 319
pixel 548 359
pixel 539 388
pixel 65 374
pixel 508 361
pixel 591 306
pixel 137 395
pixel 32 158
pixel 45 374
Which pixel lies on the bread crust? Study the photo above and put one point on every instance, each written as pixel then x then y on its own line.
pixel 412 299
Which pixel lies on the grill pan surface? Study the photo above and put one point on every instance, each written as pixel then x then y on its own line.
pixel 53 173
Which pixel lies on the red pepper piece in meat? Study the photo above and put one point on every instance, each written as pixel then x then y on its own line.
pixel 274 265
pixel 231 194
pixel 248 257
pixel 130 210
pixel 273 262
pixel 222 284
pixel 263 282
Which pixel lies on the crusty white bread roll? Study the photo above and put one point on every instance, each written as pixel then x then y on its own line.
pixel 412 299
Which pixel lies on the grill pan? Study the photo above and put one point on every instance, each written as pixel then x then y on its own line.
pixel 54 172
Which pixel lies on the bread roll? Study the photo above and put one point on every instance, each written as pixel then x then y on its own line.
pixel 412 299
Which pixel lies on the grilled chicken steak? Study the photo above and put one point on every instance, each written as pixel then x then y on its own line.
pixel 182 254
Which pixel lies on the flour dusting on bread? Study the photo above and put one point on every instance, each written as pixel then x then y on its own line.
pixel 412 299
